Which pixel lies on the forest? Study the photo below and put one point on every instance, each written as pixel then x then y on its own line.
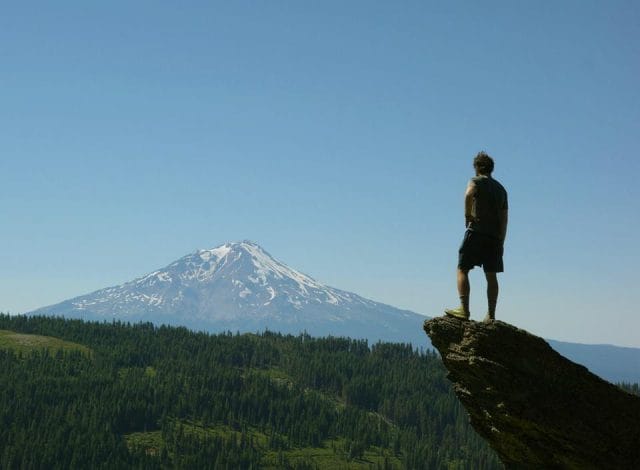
pixel 76 394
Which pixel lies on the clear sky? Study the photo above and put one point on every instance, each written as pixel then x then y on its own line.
pixel 339 135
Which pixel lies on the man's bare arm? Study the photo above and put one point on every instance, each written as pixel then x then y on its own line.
pixel 504 220
pixel 468 203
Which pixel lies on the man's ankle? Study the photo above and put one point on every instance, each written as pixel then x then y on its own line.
pixel 464 303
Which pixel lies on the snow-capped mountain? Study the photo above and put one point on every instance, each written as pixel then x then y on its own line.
pixel 240 287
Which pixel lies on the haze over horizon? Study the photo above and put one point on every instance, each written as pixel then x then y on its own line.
pixel 337 136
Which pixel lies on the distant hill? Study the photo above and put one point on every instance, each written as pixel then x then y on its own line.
pixel 614 363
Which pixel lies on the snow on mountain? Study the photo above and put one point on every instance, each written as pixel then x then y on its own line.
pixel 240 287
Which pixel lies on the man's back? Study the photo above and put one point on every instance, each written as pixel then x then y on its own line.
pixel 489 201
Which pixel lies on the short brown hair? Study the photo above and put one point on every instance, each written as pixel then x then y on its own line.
pixel 483 163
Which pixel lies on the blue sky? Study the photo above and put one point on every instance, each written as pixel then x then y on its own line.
pixel 338 135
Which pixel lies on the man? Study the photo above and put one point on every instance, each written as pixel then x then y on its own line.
pixel 486 215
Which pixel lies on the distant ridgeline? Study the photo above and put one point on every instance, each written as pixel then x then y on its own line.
pixel 167 397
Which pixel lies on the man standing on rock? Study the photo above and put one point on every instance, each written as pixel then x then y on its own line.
pixel 485 215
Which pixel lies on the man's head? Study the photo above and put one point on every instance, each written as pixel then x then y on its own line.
pixel 483 164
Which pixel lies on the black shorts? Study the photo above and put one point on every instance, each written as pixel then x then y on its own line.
pixel 478 249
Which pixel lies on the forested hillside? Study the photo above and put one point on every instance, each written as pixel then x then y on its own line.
pixel 139 396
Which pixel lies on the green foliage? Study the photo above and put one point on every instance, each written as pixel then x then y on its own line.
pixel 332 454
pixel 164 397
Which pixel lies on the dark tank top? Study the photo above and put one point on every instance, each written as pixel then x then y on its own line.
pixel 489 200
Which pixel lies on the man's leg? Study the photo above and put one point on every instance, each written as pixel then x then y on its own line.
pixel 462 311
pixel 464 289
pixel 467 255
pixel 492 295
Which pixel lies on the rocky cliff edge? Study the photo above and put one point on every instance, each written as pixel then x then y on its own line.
pixel 536 409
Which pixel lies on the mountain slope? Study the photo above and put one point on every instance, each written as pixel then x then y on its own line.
pixel 239 286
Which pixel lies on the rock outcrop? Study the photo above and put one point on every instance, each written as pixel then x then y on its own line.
pixel 537 409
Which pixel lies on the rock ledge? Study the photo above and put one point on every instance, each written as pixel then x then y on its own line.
pixel 536 408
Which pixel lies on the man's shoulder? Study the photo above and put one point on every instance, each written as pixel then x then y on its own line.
pixel 479 180
pixel 497 184
pixel 482 180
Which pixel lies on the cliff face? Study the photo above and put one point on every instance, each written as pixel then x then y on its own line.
pixel 536 409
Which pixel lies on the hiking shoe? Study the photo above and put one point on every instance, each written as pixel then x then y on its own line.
pixel 489 318
pixel 457 313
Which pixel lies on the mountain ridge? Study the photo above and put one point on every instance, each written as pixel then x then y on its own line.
pixel 240 286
